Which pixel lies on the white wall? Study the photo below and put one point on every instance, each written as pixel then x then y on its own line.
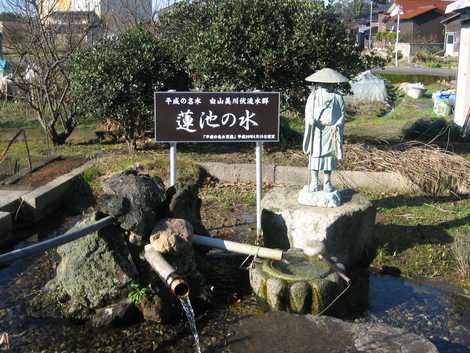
pixel 462 104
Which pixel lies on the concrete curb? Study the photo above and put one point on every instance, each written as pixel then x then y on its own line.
pixel 11 199
pixel 45 199
pixel 368 181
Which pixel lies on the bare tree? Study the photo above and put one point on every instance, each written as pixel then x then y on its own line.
pixel 49 39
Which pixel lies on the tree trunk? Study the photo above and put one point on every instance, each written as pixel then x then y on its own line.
pixel 131 145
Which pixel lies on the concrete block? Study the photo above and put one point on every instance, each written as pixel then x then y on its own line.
pixel 6 226
pixel 11 199
pixel 45 199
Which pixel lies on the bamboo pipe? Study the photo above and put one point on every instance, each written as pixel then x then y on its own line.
pixel 232 246
pixel 167 273
pixel 38 248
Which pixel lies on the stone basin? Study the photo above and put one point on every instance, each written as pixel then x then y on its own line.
pixel 297 267
pixel 298 283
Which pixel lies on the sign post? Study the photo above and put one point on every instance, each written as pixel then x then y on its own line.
pixel 259 187
pixel 172 164
pixel 214 117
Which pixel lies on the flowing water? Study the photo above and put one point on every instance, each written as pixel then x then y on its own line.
pixel 188 310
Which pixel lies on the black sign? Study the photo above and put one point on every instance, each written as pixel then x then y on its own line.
pixel 216 117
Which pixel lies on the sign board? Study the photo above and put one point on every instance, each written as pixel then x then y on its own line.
pixel 217 117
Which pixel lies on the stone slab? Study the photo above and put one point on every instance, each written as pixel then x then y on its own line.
pixel 45 199
pixel 371 181
pixel 289 175
pixel 345 231
pixel 6 226
pixel 280 332
pixel 235 173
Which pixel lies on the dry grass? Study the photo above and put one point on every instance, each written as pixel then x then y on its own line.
pixel 461 251
pixel 432 168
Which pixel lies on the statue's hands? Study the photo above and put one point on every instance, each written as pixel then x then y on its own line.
pixel 319 124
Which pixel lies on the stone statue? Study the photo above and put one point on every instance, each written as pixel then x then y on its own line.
pixel 323 137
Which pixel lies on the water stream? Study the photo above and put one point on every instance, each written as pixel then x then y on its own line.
pixel 188 310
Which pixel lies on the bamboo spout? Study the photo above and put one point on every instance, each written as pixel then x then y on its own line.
pixel 240 248
pixel 167 273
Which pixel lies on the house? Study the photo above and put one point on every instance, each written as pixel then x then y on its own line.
pixel 115 16
pixel 420 25
pixel 452 26
pixel 76 23
pixel 462 103
pixel 10 33
pixel 420 21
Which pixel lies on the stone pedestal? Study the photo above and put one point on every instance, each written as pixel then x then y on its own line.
pixel 344 232
pixel 319 198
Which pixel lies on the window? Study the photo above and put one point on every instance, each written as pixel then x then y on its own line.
pixel 450 38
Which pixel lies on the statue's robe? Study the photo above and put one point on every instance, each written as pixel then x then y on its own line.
pixel 324 128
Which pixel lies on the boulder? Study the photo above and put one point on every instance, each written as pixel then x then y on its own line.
pixel 172 235
pixel 345 233
pixel 135 199
pixel 172 238
pixel 94 271
pixel 123 312
pixel 280 332
pixel 184 202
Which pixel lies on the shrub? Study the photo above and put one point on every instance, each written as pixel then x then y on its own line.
pixel 423 55
pixel 424 128
pixel 461 251
pixel 429 129
pixel 260 44
pixel 388 37
pixel 117 78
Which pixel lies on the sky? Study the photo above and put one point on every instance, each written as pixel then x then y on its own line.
pixel 156 4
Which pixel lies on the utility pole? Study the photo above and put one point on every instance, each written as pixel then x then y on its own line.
pixel 370 26
pixel 397 39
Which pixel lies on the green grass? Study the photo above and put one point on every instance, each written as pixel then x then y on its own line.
pixel 415 233
pixel 152 164
pixel 368 120
pixel 15 115
pixel 229 196
pixel 373 121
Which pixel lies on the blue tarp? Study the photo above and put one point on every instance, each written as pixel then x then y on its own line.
pixel 444 102
pixel 4 65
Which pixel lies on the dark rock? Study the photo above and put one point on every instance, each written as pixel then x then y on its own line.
pixel 390 270
pixel 136 240
pixel 94 271
pixel 144 196
pixel 280 332
pixel 113 205
pixel 225 273
pixel 184 202
pixel 121 313
pixel 151 309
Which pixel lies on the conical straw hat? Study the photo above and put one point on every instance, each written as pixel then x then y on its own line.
pixel 327 76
